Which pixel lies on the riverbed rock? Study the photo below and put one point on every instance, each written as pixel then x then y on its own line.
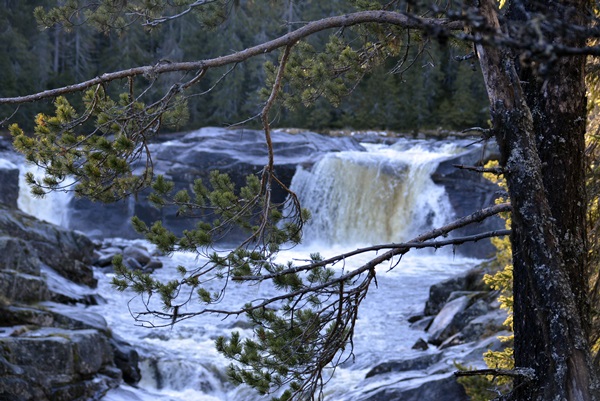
pixel 485 325
pixel 420 345
pixel 18 256
pixel 21 287
pixel 442 326
pixel 126 359
pixel 69 253
pixel 135 257
pixel 50 351
pixel 468 192
pixel 439 293
pixel 441 387
pixel 422 324
pixel 418 363
pixel 60 364
pixel 140 254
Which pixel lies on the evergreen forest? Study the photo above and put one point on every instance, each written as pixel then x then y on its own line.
pixel 424 86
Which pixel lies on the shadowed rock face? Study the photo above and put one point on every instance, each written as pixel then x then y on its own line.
pixel 9 180
pixel 24 238
pixel 468 192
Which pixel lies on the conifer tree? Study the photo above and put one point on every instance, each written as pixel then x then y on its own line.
pixel 531 56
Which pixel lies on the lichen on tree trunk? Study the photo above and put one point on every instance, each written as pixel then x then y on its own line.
pixel 550 314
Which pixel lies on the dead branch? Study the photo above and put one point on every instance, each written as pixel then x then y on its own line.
pixel 523 373
pixel 160 20
pixel 403 247
pixel 478 169
pixel 485 132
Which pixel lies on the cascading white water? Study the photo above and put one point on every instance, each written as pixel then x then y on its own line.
pixel 383 195
pixel 52 208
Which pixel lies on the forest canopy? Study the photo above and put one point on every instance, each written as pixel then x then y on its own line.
pixel 436 91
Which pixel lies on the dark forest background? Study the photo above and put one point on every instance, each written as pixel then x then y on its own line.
pixel 410 92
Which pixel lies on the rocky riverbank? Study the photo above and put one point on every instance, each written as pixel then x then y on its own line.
pixel 461 320
pixel 50 347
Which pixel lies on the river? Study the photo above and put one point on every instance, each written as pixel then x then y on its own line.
pixel 356 199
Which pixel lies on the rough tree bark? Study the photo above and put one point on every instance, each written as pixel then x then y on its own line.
pixel 539 123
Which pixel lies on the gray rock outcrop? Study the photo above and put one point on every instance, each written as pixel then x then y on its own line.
pixel 51 349
pixel 439 387
pixel 468 192
pixel 463 310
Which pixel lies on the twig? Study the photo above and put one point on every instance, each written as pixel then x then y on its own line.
pixel 524 373
pixel 465 57
pixel 157 21
pixel 493 170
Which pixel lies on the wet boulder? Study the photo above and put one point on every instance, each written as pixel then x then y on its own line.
pixel 57 364
pixel 67 252
pixel 484 325
pixel 439 387
pixel 442 326
pixel 18 256
pixel 21 287
pixel 135 257
pixel 439 293
pixel 126 359
pixel 419 363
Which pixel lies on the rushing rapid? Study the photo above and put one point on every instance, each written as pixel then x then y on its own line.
pixel 356 198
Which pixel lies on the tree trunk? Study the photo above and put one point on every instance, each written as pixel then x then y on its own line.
pixel 546 190
pixel 557 101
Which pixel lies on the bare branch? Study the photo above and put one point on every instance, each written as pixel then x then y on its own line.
pixel 523 373
pixel 468 56
pixel 485 132
pixel 157 21
pixel 478 169
pixel 418 242
pixel 431 25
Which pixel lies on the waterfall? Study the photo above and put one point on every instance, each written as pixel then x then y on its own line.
pixel 383 195
pixel 53 208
